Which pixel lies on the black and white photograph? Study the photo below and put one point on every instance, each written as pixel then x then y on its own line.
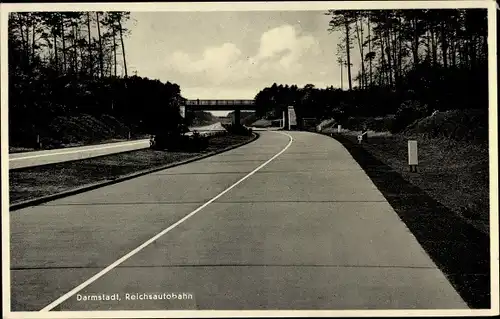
pixel 248 159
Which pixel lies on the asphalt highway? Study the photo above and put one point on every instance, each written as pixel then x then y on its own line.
pixel 289 221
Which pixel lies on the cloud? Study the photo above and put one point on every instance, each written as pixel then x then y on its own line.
pixel 281 53
pixel 213 58
pixel 284 39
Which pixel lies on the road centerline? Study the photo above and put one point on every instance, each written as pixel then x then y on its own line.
pixel 92 279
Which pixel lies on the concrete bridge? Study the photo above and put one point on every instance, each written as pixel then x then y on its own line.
pixel 230 105
pixel 221 105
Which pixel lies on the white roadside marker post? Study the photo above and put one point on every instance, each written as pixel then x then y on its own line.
pixel 339 128
pixel 363 135
pixel 412 155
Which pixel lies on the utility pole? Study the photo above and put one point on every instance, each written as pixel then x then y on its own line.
pixel 340 61
pixel 341 75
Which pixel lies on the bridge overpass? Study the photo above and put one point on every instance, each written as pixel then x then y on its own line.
pixel 221 105
pixel 228 105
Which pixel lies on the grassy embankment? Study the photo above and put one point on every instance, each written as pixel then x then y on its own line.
pixel 35 182
pixel 76 130
pixel 262 123
pixel 84 129
pixel 202 118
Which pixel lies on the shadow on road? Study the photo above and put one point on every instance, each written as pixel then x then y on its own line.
pixel 461 251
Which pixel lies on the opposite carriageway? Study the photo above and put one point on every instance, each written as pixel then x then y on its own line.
pixel 36 158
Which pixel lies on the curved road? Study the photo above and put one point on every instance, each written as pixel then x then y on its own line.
pixel 289 221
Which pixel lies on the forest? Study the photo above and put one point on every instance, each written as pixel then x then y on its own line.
pixel 412 62
pixel 66 64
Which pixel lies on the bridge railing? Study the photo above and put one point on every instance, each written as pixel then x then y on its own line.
pixel 220 102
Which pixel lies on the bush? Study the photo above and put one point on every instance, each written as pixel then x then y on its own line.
pixel 408 113
pixel 237 129
pixel 180 142
pixel 377 124
pixel 389 123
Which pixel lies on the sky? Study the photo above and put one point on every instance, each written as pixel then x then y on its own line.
pixel 233 55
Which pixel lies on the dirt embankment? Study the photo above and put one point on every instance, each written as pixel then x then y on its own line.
pixel 71 130
pixel 458 125
pixel 82 129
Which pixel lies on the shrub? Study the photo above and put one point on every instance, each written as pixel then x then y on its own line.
pixel 408 113
pixel 388 123
pixel 377 124
pixel 180 142
pixel 237 129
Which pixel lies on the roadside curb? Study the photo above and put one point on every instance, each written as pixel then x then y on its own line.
pixel 48 198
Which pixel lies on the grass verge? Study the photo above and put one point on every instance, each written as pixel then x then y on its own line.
pixel 424 201
pixel 35 182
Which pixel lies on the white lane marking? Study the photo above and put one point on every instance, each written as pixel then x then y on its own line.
pixel 163 232
pixel 77 151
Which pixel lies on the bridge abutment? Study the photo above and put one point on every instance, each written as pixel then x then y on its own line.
pixel 237 117
pixel 286 119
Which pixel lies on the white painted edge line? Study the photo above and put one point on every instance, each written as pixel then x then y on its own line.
pixel 163 232
pixel 78 151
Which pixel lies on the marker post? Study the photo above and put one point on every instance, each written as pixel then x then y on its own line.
pixel 364 135
pixel 412 155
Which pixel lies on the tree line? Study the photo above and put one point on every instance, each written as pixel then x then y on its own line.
pixel 308 101
pixel 392 42
pixel 83 44
pixel 67 63
pixel 411 61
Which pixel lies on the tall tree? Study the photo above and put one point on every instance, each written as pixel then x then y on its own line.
pixel 124 16
pixel 370 55
pixel 89 45
pixel 359 27
pixel 101 57
pixel 341 20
